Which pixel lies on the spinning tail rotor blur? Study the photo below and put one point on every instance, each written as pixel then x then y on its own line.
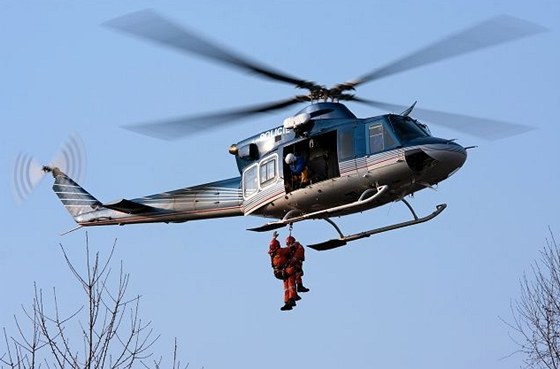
pixel 28 172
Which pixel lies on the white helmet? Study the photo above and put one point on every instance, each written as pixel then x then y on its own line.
pixel 290 158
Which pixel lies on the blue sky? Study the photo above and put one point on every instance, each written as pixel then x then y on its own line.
pixel 430 296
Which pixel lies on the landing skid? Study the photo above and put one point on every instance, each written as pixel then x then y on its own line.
pixel 294 216
pixel 366 197
pixel 343 240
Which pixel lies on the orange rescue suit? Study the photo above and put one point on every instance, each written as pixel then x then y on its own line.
pixel 298 259
pixel 281 258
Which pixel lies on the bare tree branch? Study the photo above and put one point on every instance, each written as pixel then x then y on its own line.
pixel 109 332
pixel 536 315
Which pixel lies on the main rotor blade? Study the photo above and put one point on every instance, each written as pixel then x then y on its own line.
pixel 180 127
pixel 492 32
pixel 488 129
pixel 147 24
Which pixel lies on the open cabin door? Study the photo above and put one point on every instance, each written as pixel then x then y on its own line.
pixel 320 161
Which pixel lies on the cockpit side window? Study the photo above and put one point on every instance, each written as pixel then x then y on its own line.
pixel 376 138
pixel 380 139
pixel 406 128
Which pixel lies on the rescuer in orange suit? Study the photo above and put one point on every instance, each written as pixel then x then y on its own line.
pixel 298 257
pixel 282 264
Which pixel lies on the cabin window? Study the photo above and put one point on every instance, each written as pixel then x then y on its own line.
pixel 379 139
pixel 268 171
pixel 250 181
pixel 346 143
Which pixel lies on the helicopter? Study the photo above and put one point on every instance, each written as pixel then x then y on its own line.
pixel 348 164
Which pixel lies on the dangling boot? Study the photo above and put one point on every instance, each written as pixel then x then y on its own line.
pixel 287 306
pixel 302 288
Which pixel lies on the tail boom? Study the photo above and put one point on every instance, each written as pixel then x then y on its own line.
pixel 211 200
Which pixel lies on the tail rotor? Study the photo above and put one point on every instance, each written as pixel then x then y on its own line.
pixel 71 158
pixel 28 172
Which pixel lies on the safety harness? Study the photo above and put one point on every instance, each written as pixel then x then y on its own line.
pixel 280 270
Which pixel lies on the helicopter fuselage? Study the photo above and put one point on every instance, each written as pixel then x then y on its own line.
pixel 346 161
pixel 345 157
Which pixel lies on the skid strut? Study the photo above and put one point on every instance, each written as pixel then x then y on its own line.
pixel 343 240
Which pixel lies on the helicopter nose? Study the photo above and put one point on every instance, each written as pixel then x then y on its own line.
pixel 449 157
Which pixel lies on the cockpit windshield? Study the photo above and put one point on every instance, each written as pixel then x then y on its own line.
pixel 406 128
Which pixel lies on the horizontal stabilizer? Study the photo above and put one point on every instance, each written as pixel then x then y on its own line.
pixel 129 207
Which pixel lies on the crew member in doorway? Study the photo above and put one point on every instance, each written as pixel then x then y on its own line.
pixel 298 258
pixel 282 265
pixel 300 172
